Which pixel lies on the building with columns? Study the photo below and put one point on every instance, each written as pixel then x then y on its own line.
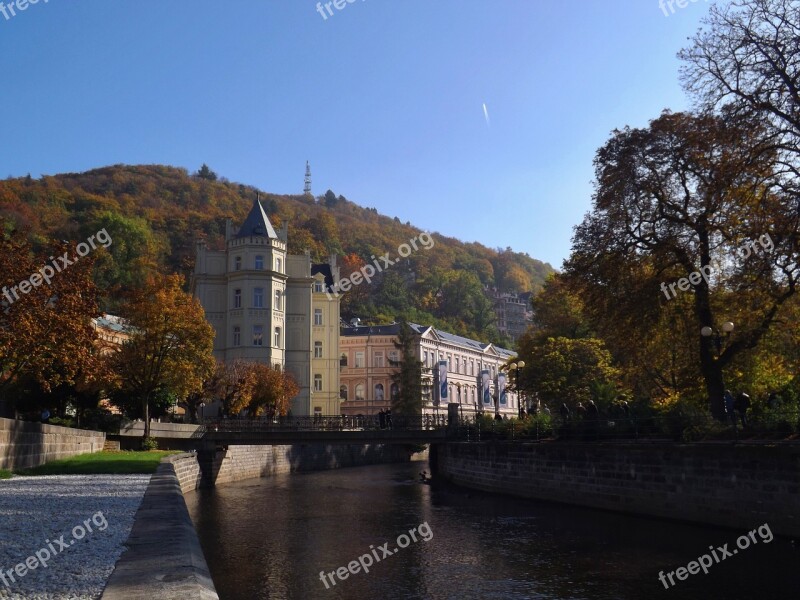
pixel 265 306
pixel 366 355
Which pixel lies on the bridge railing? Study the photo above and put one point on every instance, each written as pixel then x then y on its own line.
pixel 341 423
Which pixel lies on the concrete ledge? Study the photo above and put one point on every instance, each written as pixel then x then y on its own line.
pixel 164 559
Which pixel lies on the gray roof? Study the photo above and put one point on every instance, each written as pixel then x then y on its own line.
pixel 257 224
pixel 394 329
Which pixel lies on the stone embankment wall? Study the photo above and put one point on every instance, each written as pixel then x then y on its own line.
pixel 247 462
pixel 24 444
pixel 739 486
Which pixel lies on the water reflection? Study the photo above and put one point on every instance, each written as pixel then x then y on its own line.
pixel 270 538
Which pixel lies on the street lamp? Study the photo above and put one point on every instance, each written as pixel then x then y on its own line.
pixel 718 410
pixel 708 332
pixel 514 368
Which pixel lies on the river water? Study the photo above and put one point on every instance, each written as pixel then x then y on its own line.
pixel 270 539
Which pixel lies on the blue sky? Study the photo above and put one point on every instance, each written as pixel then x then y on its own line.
pixel 384 98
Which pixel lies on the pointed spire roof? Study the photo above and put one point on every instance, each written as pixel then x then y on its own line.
pixel 257 223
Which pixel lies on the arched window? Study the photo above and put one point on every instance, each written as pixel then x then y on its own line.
pixel 379 392
pixel 360 392
pixel 394 390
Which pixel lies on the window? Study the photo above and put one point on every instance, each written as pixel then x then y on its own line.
pixel 319 286
pixel 377 360
pixel 424 358
pixel 317 349
pixel 359 360
pixel 277 339
pixel 279 265
pixel 393 356
pixel 237 298
pixel 449 363
pixel 360 392
pixel 259 263
pixel 343 359
pixel 343 392
pixel 278 295
pixel 317 316
pixel 379 392
pixel 258 335
pixel 237 336
pixel 237 263
pixel 317 382
pixel 458 365
pixel 258 297
pixel 394 390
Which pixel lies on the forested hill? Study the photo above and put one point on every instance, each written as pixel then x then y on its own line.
pixel 154 214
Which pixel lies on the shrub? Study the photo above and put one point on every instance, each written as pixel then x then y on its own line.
pixel 149 443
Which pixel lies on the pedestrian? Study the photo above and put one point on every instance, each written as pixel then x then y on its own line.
pixel 741 405
pixel 382 419
pixel 592 411
pixel 580 410
pixel 729 408
pixel 773 401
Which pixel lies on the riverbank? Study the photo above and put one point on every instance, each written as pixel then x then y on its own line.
pixel 61 535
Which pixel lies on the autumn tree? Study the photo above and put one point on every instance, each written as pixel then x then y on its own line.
pixel 169 347
pixel 684 196
pixel 265 390
pixel 748 56
pixel 45 315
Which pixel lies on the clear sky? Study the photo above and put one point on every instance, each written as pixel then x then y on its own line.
pixel 385 98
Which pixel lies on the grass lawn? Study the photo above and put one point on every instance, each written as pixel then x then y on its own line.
pixel 102 463
pixel 5 474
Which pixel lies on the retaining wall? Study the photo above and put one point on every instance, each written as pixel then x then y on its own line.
pixel 736 486
pixel 24 444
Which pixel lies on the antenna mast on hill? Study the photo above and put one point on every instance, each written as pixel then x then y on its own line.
pixel 307 188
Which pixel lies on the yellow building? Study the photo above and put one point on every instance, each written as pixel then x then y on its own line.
pixel 263 306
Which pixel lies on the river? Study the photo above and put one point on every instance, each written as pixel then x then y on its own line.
pixel 270 539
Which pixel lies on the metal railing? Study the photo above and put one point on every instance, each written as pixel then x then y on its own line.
pixel 772 425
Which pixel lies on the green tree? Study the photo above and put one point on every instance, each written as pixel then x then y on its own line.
pixel 408 401
pixel 205 173
pixel 565 370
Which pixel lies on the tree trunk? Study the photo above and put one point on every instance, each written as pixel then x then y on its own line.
pixel 712 373
pixel 147 416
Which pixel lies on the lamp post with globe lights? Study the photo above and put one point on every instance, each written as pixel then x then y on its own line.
pixel 514 368
pixel 712 366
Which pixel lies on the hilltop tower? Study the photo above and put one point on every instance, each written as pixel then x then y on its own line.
pixel 307 187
